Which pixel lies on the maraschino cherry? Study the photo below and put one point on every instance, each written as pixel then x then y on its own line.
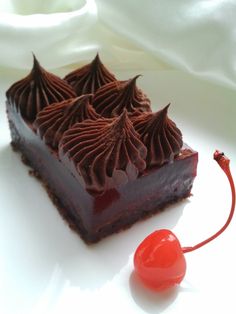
pixel 159 260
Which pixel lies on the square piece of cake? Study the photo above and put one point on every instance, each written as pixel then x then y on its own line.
pixel 104 157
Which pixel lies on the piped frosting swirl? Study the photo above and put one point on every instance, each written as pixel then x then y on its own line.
pixel 38 90
pixel 106 152
pixel 160 135
pixel 54 120
pixel 94 133
pixel 90 77
pixel 111 99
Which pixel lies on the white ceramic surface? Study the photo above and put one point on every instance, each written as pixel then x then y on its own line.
pixel 46 268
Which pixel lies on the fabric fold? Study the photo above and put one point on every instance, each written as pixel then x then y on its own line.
pixel 197 36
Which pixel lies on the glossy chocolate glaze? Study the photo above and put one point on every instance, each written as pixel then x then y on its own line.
pixel 95 217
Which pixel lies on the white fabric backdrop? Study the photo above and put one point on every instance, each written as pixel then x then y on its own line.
pixel 198 36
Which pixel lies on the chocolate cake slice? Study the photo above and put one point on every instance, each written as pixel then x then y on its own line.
pixel 103 172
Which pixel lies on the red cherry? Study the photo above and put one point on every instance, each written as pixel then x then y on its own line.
pixel 159 260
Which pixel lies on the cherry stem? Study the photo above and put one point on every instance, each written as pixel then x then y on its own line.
pixel 223 162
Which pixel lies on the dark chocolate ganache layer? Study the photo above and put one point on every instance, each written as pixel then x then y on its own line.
pixel 54 120
pixel 111 99
pixel 106 152
pixel 38 90
pixel 90 77
pixel 160 135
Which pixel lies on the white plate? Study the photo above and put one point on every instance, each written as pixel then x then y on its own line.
pixel 46 268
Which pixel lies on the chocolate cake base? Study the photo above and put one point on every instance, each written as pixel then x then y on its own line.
pixel 97 217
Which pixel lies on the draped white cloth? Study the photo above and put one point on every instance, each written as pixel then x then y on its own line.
pixel 198 36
